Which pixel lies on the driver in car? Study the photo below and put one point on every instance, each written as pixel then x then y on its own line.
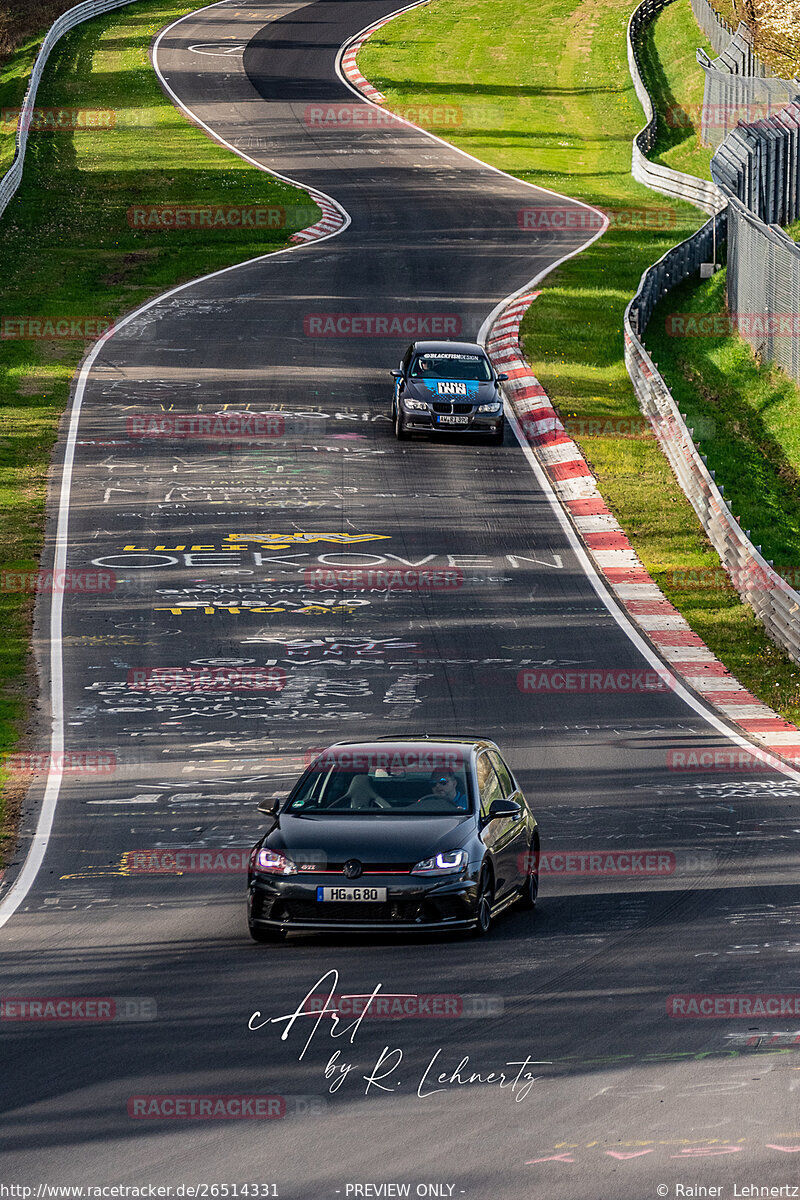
pixel 444 785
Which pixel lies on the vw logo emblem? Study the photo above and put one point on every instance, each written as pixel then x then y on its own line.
pixel 352 868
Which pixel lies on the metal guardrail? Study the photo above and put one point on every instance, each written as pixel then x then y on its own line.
pixel 677 265
pixel 700 192
pixel 775 603
pixel 63 24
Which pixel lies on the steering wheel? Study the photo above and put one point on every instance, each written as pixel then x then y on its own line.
pixel 438 799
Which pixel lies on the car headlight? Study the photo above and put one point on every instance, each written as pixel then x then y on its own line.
pixel 273 863
pixel 449 863
pixel 493 407
pixel 415 404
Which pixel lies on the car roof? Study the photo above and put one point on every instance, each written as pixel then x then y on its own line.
pixel 449 348
pixel 426 740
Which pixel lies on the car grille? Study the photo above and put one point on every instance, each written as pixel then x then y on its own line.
pixel 312 910
pixel 452 408
pixel 367 868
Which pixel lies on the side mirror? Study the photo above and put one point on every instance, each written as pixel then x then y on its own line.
pixel 270 805
pixel 504 808
pixel 397 374
pixel 502 378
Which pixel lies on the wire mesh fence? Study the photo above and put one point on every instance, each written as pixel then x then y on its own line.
pixel 758 168
pixel 717 30
pixel 676 266
pixel 756 172
pixel 738 87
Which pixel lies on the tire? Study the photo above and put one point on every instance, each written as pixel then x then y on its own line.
pixel 483 907
pixel 400 431
pixel 530 889
pixel 261 933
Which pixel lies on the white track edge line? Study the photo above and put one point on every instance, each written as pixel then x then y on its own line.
pixel 34 858
pixel 625 623
pixel 598 582
pixel 228 145
pixel 33 861
pixel 536 187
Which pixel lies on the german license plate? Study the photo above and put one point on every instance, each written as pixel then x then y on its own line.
pixel 351 893
pixel 452 420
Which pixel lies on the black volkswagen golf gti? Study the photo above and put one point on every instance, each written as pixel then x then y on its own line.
pixel 408 835
pixel 447 387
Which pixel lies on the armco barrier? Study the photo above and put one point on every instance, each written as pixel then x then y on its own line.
pixel 333 215
pixel 700 192
pixel 773 601
pixel 67 21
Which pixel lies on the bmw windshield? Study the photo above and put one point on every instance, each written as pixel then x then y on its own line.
pixel 451 366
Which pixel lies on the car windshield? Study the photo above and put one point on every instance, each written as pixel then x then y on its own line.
pixel 333 791
pixel 451 366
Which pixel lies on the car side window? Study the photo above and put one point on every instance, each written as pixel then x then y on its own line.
pixel 406 360
pixel 503 774
pixel 488 784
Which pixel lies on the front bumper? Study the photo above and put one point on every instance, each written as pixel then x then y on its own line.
pixel 415 420
pixel 290 902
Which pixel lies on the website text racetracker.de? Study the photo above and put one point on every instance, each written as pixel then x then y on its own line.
pixel 206 426
pixel 391 324
pixel 133 1191
pixel 597 679
pixel 56 120
pixel 67 762
pixel 547 218
pixel 362 116
pixel 394 759
pixel 385 579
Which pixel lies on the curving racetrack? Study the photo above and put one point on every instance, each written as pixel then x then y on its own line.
pixel 625 1093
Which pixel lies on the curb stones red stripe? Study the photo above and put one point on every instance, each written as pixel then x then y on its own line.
pixel 685 653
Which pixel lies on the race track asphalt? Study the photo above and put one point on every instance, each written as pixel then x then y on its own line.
pixel 211 543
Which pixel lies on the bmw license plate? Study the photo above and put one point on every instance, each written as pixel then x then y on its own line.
pixel 351 893
pixel 451 420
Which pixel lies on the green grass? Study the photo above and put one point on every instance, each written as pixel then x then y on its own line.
pixel 13 82
pixel 546 95
pixel 67 249
pixel 747 422
pixel 675 77
pixel 748 418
